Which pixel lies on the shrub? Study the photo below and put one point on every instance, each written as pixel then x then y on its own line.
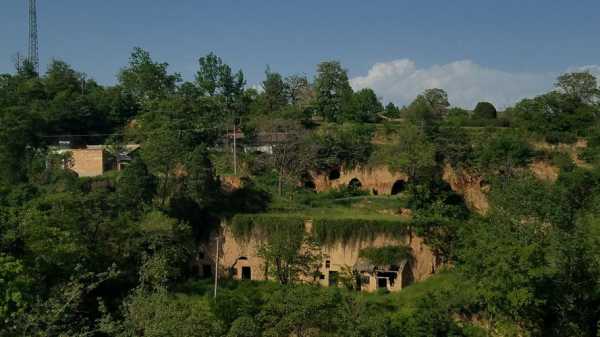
pixel 485 110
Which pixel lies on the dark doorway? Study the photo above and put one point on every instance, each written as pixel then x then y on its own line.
pixel 206 270
pixel 382 282
pixel 355 184
pixel 246 273
pixel 333 278
pixel 399 187
pixel 334 174
pixel 390 275
pixel 309 184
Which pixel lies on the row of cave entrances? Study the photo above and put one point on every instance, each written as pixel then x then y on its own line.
pixel 398 187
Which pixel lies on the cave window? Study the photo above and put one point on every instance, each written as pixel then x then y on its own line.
pixel 355 184
pixel 207 270
pixel 309 184
pixel 334 174
pixel 327 264
pixel 333 278
pixel 243 258
pixel 375 192
pixel 246 273
pixel 398 187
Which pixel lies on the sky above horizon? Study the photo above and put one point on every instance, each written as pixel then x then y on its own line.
pixel 499 51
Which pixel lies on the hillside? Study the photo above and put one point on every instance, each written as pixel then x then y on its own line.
pixel 157 207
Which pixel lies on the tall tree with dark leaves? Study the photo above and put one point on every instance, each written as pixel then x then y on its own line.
pixel 366 107
pixel 581 86
pixel 146 79
pixel 333 91
pixel 274 91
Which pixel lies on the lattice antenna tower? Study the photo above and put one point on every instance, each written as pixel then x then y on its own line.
pixel 32 51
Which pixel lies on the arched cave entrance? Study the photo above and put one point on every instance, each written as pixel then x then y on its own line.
pixel 398 187
pixel 307 182
pixel 335 174
pixel 355 184
pixel 310 185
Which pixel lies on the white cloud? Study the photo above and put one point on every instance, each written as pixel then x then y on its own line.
pixel 466 82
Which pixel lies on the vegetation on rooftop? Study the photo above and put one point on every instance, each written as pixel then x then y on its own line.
pixel 387 255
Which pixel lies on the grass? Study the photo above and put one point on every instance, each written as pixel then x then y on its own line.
pixel 322 205
pixel 405 301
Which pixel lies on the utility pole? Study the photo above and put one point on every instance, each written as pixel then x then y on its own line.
pixel 217 267
pixel 234 148
pixel 32 47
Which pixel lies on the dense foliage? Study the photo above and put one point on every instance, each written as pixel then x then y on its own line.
pixel 116 254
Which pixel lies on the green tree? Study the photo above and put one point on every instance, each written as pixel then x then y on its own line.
pixel 16 292
pixel 244 327
pixel 392 110
pixel 163 152
pixel 557 116
pixel 412 153
pixel 274 91
pixel 509 264
pixel 429 106
pixel 293 156
pixel 503 153
pixel 432 316
pixel 154 314
pixel 136 185
pixel 200 183
pixel 17 134
pixel 437 99
pixel 290 254
pixel 333 91
pixel 215 78
pixel 485 110
pixel 302 312
pixel 457 117
pixel 145 79
pixel 343 146
pixel 580 85
pixel 66 311
pixel 298 90
pixel 366 106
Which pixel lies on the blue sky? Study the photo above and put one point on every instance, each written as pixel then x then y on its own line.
pixel 474 49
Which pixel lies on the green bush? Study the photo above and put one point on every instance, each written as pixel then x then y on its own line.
pixel 244 225
pixel 485 110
